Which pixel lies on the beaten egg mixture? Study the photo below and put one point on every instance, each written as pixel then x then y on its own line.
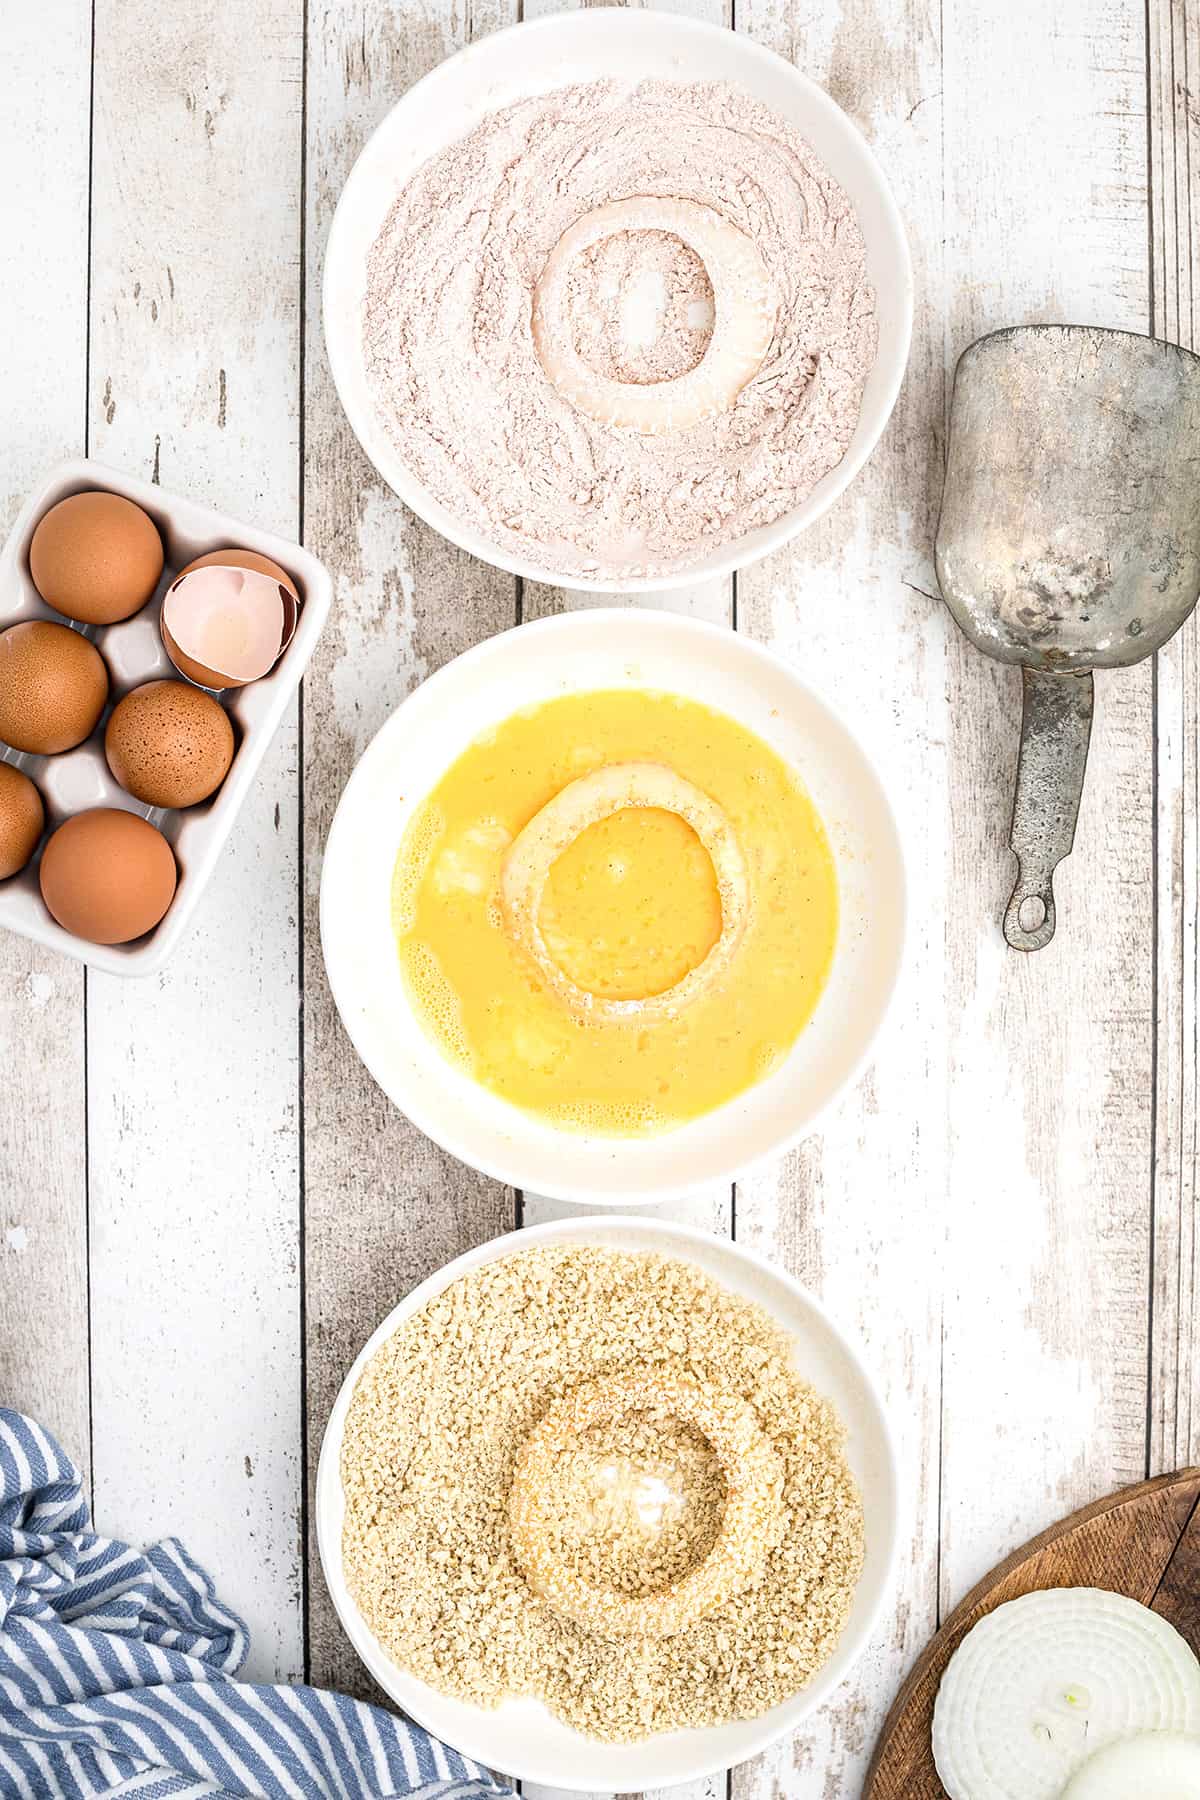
pixel 629 908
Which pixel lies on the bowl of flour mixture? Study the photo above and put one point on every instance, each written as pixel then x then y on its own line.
pixel 617 300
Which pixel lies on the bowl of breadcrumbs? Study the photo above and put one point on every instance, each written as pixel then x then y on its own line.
pixel 608 1504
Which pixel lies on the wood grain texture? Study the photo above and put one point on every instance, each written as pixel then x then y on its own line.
pixel 193 1076
pixel 1174 86
pixel 980 1209
pixel 856 1213
pixel 1177 1596
pixel 44 149
pixel 1048 1055
pixel 383 1206
pixel 1143 1541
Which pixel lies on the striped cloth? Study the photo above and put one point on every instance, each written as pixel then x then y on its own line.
pixel 117 1666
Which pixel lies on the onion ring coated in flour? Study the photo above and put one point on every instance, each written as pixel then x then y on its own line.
pixel 585 802
pixel 458 378
pixel 742 331
pixel 752 1474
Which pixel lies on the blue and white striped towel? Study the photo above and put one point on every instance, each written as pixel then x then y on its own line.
pixel 117 1666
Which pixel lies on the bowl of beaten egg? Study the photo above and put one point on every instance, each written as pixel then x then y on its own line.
pixel 613 906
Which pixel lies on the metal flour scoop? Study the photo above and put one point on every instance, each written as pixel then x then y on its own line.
pixel 1069 541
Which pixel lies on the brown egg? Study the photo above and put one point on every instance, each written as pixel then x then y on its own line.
pixel 96 558
pixel 108 876
pixel 22 817
pixel 169 744
pixel 202 673
pixel 53 685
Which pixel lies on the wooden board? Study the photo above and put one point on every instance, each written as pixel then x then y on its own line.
pixel 1143 1541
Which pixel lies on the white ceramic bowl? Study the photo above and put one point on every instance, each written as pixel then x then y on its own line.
pixel 522 1738
pixel 629 46
pixel 626 647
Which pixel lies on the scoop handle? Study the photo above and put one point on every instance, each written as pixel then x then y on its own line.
pixel 1056 728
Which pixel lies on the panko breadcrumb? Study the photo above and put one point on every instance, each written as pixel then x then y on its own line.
pixel 434 1431
pixel 543 1518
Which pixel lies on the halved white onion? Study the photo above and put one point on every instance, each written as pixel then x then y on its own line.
pixel 1155 1765
pixel 1039 1685
pixel 743 326
pixel 584 802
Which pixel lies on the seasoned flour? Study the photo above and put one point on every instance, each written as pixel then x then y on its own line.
pixel 457 379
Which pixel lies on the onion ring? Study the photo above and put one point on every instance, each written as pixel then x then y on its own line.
pixel 529 858
pixel 744 323
pixel 753 1479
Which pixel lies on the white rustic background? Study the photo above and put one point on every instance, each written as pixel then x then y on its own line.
pixel 205 1204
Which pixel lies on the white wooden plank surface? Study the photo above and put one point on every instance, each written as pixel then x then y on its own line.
pixel 383 1207
pixel 1174 41
pixel 856 1212
pixel 44 150
pixel 984 1197
pixel 1045 1322
pixel 193 1078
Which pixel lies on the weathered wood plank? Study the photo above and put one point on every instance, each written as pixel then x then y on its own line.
pixel 1045 1322
pixel 1174 49
pixel 44 144
pixel 1035 1151
pixel 193 1077
pixel 383 1207
pixel 856 1212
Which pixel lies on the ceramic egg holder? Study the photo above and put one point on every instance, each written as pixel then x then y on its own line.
pixel 77 780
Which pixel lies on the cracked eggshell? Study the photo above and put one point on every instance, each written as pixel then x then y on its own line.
pixel 196 619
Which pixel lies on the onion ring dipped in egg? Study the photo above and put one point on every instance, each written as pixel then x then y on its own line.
pixel 616 910
pixel 585 802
